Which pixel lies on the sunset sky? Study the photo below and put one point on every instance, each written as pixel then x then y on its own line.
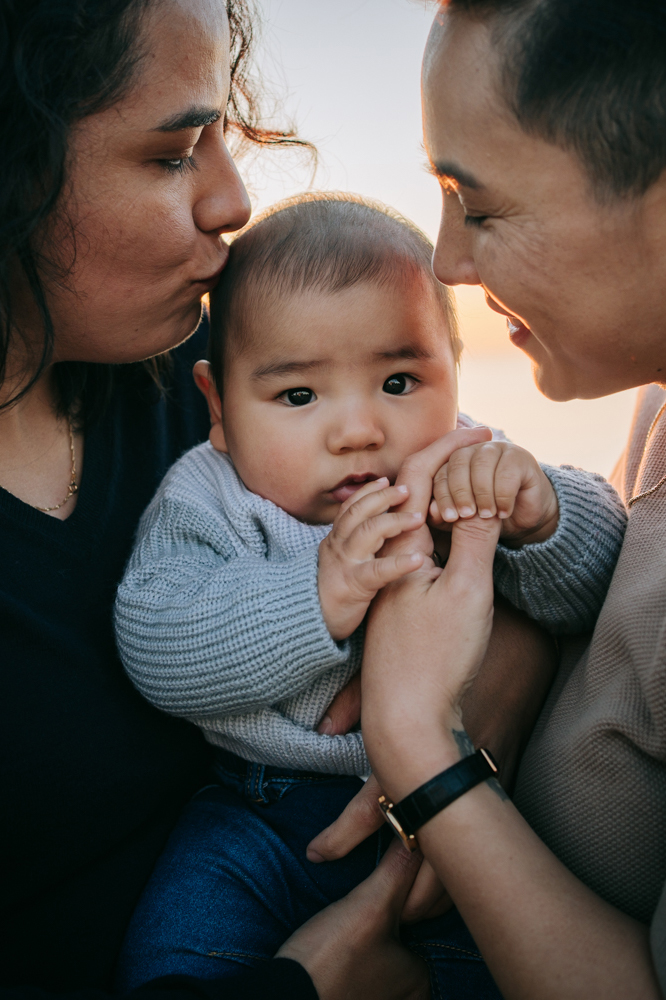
pixel 347 73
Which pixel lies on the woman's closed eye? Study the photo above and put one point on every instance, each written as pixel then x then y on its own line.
pixel 399 384
pixel 475 220
pixel 297 397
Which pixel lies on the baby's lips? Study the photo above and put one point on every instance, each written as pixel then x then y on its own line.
pixel 345 490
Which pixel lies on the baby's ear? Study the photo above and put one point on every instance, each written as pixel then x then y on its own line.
pixel 206 384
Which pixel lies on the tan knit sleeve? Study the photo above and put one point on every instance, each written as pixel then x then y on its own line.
pixel 658 941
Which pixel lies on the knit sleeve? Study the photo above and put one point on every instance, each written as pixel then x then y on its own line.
pixel 273 738
pixel 562 582
pixel 204 629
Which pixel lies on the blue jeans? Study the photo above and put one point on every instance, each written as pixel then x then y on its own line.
pixel 234 883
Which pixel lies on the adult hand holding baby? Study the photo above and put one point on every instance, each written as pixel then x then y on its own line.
pixel 499 708
pixel 351 567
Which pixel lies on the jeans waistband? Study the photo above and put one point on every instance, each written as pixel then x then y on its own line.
pixel 260 782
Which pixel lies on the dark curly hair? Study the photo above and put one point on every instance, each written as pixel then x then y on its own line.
pixel 61 60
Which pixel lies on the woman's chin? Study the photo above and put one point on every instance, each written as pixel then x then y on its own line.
pixel 558 388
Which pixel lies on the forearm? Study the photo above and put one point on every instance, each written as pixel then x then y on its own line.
pixel 541 931
pixel 503 703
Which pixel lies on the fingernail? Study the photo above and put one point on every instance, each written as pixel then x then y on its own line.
pixel 503 514
pixel 402 489
pixel 416 514
pixel 313 856
pixel 450 514
pixel 466 511
pixel 414 556
pixel 325 726
pixel 486 513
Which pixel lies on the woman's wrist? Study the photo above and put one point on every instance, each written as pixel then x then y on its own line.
pixel 404 758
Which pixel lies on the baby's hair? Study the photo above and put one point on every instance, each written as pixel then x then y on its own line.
pixel 324 241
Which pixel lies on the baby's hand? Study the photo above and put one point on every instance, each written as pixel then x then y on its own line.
pixel 497 479
pixel 349 573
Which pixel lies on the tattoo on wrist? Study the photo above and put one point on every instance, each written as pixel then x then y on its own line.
pixel 467 748
pixel 463 742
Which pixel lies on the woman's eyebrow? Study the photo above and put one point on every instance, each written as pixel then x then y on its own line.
pixel 448 170
pixel 192 118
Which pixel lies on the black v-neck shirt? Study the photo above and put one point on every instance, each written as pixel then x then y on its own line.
pixel 91 776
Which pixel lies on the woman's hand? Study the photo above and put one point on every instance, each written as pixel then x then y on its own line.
pixel 426 639
pixel 351 949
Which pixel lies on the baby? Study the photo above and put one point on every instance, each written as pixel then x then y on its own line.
pixel 333 357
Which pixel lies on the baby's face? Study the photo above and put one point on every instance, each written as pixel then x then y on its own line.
pixel 334 390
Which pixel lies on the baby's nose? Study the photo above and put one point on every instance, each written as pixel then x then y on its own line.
pixel 355 432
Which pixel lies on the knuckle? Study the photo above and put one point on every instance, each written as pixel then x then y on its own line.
pixel 460 491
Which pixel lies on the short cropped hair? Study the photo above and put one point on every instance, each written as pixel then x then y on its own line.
pixel 325 241
pixel 589 76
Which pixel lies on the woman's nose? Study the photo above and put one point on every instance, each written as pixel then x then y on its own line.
pixel 222 204
pixel 355 431
pixel 453 261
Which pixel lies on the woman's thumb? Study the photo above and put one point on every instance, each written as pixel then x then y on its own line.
pixel 473 545
pixel 389 885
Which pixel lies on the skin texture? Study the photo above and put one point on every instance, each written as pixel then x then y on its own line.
pixel 587 280
pixel 147 233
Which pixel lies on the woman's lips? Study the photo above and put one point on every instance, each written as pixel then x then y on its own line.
pixel 518 333
pixel 208 284
pixel 350 485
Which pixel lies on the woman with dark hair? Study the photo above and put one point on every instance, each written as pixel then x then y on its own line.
pixel 546 125
pixel 117 188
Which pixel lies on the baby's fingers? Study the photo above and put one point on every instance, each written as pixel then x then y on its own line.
pixel 466 484
pixel 453 490
pixel 367 503
pixel 374 574
pixel 509 478
pixel 368 537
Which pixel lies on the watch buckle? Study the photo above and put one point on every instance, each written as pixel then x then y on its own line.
pixel 408 839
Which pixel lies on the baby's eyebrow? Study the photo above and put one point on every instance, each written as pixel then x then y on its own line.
pixel 286 367
pixel 408 353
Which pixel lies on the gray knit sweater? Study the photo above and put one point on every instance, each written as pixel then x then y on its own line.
pixel 218 617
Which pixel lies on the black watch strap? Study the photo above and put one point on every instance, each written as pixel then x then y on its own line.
pixel 416 809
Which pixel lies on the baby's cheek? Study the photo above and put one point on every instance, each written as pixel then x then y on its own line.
pixel 285 478
pixel 431 423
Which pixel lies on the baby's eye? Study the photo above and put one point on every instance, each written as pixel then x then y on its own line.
pixel 398 385
pixel 298 397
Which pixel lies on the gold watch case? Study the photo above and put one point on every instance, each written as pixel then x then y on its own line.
pixel 408 839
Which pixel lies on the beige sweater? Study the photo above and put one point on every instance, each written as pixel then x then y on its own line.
pixel 592 783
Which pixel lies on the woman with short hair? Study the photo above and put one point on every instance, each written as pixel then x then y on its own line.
pixel 545 122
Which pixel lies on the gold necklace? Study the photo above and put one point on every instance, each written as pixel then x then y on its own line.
pixel 73 485
pixel 653 489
